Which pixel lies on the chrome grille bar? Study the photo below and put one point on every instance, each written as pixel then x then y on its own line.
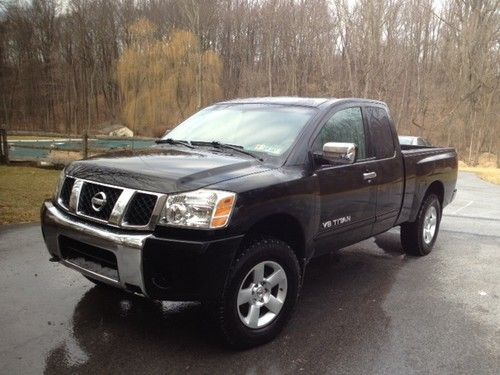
pixel 75 196
pixel 121 206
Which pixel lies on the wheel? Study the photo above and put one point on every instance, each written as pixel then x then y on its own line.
pixel 418 237
pixel 259 296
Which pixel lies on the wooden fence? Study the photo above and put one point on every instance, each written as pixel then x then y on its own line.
pixel 4 147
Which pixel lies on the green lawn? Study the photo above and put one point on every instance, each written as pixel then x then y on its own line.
pixel 22 191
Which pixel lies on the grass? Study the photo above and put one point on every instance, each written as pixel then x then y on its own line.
pixel 22 191
pixel 488 174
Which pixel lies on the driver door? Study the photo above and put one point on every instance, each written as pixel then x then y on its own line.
pixel 347 194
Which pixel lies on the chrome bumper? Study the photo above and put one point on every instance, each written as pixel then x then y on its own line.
pixel 126 247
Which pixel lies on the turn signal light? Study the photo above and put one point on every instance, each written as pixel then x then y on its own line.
pixel 222 212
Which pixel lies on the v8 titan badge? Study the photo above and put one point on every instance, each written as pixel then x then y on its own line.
pixel 336 222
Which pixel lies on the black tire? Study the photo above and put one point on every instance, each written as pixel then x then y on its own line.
pixel 412 234
pixel 227 313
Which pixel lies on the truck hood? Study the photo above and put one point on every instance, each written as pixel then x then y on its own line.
pixel 164 170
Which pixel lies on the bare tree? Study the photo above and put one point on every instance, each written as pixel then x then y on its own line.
pixel 437 66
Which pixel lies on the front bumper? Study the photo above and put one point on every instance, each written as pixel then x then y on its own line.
pixel 156 267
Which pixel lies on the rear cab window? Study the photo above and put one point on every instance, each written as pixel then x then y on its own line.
pixel 380 129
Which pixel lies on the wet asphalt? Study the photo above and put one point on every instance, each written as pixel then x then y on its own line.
pixel 367 309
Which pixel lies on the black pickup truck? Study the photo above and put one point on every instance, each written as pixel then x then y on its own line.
pixel 229 207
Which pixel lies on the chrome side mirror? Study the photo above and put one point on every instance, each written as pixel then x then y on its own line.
pixel 339 153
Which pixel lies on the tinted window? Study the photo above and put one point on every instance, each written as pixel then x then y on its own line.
pixel 380 130
pixel 405 140
pixel 344 126
pixel 423 142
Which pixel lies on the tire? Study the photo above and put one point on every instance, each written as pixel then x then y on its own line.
pixel 246 314
pixel 418 237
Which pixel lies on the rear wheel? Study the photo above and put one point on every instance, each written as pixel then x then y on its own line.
pixel 260 294
pixel 418 237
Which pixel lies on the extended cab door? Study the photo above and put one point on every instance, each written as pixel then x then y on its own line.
pixel 388 167
pixel 347 196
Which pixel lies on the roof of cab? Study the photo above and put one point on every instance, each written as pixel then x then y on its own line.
pixel 283 100
pixel 298 101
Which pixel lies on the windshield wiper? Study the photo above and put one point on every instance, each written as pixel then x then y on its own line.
pixel 171 141
pixel 216 144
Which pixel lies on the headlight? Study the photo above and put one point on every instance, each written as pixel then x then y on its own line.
pixel 207 209
pixel 59 185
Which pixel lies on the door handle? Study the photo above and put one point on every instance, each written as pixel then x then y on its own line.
pixel 369 175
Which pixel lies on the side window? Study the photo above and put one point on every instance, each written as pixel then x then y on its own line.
pixel 345 125
pixel 380 131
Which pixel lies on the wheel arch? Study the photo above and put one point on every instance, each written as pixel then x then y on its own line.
pixel 437 188
pixel 284 227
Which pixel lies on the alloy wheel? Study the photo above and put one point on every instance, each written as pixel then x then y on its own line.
pixel 262 294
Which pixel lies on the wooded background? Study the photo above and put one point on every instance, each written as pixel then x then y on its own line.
pixel 76 65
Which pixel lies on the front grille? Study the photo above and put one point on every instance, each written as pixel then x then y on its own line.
pixel 95 259
pixel 140 209
pixel 97 202
pixel 66 191
pixel 89 190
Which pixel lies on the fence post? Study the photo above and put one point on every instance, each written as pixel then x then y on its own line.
pixel 4 147
pixel 85 140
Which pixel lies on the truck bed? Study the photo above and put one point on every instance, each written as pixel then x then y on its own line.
pixel 425 166
pixel 419 147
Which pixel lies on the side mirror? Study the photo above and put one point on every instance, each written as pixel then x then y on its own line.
pixel 339 153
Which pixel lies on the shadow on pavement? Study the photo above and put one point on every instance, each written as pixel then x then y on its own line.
pixel 389 242
pixel 339 323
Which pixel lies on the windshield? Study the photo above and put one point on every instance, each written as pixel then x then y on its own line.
pixel 265 128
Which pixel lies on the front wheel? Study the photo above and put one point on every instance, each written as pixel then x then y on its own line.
pixel 418 237
pixel 260 294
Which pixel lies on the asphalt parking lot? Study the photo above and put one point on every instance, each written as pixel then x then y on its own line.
pixel 367 309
